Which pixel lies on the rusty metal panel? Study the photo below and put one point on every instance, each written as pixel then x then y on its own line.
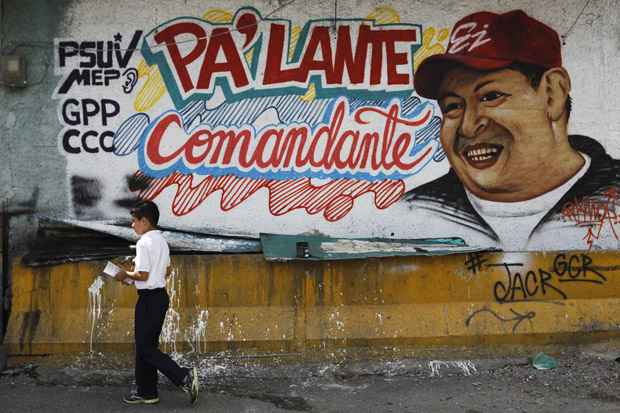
pixel 68 240
pixel 178 240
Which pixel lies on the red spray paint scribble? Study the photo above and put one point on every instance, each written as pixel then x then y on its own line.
pixel 594 213
pixel 334 199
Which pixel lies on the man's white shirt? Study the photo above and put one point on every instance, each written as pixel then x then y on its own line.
pixel 523 216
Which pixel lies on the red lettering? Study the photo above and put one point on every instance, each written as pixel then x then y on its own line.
pixel 302 148
pixel 154 141
pixel 319 39
pixel 393 59
pixel 168 36
pixel 196 141
pixel 340 161
pixel 347 56
pixel 222 40
pixel 275 49
pixel 374 58
pixel 290 141
pixel 344 56
pixel 232 141
pixel 261 149
pixel 331 132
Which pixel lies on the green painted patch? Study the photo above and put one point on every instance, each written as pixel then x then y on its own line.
pixel 317 247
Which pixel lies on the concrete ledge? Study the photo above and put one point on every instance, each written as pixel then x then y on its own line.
pixel 244 304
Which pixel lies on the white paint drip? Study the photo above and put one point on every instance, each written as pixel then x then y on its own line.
pixel 172 323
pixel 228 328
pixel 466 366
pixel 336 321
pixel 210 368
pixel 344 387
pixel 197 332
pixel 94 306
pixel 335 318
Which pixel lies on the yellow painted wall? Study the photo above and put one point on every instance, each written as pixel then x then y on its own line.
pixel 244 303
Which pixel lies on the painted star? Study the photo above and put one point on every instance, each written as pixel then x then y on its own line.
pixel 118 37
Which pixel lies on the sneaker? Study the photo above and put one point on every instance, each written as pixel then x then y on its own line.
pixel 191 385
pixel 135 398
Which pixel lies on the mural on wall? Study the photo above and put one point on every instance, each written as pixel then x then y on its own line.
pixel 516 174
pixel 236 124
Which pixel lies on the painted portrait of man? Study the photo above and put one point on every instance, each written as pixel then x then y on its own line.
pixel 514 171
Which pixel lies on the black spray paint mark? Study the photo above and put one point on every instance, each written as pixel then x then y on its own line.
pixel 126 203
pixel 138 182
pixel 518 317
pixel 474 262
pixel 528 286
pixel 135 183
pixel 86 194
pixel 537 284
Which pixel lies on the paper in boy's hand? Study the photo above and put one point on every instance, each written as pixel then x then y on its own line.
pixel 112 270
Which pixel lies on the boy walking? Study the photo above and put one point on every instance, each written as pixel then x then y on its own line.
pixel 149 277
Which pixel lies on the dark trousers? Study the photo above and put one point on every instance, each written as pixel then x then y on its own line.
pixel 150 314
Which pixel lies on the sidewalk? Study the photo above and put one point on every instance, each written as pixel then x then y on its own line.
pixel 586 380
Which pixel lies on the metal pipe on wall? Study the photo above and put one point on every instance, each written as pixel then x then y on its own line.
pixel 4 261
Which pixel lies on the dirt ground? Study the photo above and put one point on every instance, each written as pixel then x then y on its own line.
pixel 585 380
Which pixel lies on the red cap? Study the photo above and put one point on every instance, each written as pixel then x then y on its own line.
pixel 489 41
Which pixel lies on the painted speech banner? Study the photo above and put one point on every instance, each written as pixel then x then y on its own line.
pixel 236 122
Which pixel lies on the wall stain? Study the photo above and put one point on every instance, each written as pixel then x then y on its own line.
pixel 30 322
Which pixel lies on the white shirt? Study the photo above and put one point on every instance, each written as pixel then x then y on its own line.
pixel 152 256
pixel 514 222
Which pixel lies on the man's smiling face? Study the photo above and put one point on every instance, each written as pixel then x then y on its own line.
pixel 496 132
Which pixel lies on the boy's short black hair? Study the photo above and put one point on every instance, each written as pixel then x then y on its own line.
pixel 148 210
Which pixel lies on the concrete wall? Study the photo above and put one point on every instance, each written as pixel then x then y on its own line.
pixel 83 138
pixel 243 304
pixel 33 173
pixel 82 141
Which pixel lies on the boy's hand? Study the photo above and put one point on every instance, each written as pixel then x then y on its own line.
pixel 121 276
